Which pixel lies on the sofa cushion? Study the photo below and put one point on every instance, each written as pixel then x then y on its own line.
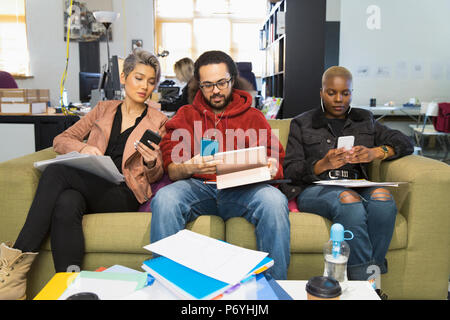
pixel 129 232
pixel 309 232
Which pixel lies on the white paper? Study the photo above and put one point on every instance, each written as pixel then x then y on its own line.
pixel 402 70
pixel 214 258
pixel 15 108
pixel 104 289
pixel 383 72
pixel 103 166
pixel 437 71
pixel 363 71
pixel 357 183
pixel 418 70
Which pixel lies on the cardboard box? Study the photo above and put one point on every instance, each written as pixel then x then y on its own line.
pixel 23 108
pixel 24 95
pixel 24 101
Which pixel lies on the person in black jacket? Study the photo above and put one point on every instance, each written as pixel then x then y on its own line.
pixel 312 155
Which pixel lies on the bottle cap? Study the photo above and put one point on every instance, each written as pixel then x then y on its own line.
pixel 337 232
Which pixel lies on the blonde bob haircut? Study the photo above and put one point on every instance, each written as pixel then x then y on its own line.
pixel 143 57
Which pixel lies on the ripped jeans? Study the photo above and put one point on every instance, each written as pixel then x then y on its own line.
pixel 367 212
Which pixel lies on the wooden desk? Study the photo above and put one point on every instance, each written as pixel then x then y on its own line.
pixel 16 132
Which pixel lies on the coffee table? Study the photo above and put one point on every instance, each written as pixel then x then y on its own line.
pixel 356 290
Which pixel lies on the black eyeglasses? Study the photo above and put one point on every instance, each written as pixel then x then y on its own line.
pixel 221 85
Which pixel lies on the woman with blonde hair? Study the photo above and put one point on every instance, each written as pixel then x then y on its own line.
pixel 184 71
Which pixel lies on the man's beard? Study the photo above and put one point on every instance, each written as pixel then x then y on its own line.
pixel 221 106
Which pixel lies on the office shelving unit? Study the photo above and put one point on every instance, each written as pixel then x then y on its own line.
pixel 293 38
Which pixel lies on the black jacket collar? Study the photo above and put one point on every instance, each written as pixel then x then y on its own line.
pixel 319 120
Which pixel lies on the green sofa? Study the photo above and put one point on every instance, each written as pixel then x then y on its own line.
pixel 418 256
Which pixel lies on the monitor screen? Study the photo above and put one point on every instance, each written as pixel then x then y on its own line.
pixel 88 82
pixel 116 70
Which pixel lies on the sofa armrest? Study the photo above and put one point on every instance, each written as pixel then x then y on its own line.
pixel 424 196
pixel 425 203
pixel 18 183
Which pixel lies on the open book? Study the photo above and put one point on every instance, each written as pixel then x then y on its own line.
pixel 102 166
pixel 241 167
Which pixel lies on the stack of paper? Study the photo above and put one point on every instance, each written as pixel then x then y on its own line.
pixel 356 183
pixel 102 166
pixel 194 266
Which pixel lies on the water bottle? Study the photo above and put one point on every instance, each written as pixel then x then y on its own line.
pixel 336 252
pixel 64 99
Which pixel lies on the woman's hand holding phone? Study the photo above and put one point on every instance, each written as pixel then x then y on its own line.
pixel 148 147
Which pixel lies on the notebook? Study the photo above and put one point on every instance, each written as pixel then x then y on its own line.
pixel 242 167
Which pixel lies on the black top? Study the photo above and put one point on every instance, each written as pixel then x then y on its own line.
pixel 337 125
pixel 118 139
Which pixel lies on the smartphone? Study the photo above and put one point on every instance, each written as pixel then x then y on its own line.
pixel 209 147
pixel 346 142
pixel 152 136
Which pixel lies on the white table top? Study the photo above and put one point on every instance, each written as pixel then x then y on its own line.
pixel 392 110
pixel 356 290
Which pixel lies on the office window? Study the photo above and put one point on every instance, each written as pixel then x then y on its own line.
pixel 187 28
pixel 14 56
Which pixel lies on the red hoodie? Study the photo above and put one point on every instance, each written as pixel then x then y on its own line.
pixel 239 126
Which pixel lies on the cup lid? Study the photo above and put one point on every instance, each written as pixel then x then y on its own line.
pixel 323 287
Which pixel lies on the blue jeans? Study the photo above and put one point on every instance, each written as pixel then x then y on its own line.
pixel 261 204
pixel 372 222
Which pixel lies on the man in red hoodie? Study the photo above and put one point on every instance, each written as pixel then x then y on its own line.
pixel 223 113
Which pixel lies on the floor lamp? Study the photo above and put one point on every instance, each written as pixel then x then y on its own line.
pixel 107 18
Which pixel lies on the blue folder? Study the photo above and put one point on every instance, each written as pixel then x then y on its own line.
pixel 279 291
pixel 188 283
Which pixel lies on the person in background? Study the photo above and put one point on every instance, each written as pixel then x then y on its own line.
pixel 65 194
pixel 312 155
pixel 218 109
pixel 184 71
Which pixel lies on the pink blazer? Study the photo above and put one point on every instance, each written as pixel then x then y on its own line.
pixel 96 128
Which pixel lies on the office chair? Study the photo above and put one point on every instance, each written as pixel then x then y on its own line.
pixel 426 128
pixel 7 81
pixel 245 71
